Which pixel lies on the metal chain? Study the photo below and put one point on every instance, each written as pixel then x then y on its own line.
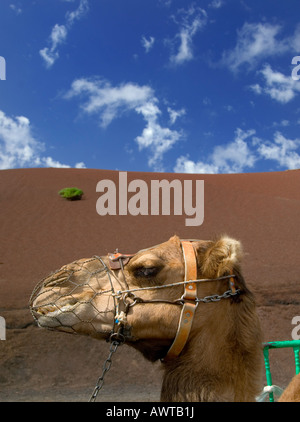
pixel 106 367
pixel 206 299
pixel 216 298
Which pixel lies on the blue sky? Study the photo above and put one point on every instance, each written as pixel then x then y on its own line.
pixel 152 85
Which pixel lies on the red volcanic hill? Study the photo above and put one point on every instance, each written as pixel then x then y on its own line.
pixel 40 232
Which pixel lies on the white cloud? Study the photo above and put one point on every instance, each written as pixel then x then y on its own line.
pixel 191 21
pixel 256 88
pixel 185 165
pixel 18 146
pixel 59 33
pixel 295 39
pixel 174 114
pixel 16 9
pixel 148 44
pixel 243 153
pixel 282 150
pixel 283 122
pixel 58 36
pixel 257 41
pixel 78 13
pixel 233 157
pixel 278 86
pixel 80 165
pixel 216 4
pixel 50 162
pixel 110 102
pixel 155 137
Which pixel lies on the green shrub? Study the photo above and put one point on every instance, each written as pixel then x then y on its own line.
pixel 71 193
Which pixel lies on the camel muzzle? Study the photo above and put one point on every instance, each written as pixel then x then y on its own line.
pixel 73 298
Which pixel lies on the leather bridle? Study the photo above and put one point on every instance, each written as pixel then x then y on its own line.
pixel 189 300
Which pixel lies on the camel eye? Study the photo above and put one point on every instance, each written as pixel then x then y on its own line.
pixel 146 272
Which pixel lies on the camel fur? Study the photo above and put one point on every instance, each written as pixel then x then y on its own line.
pixel 292 391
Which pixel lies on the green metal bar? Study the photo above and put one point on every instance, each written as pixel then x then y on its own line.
pixel 297 361
pixel 295 344
pixel 268 371
pixel 279 344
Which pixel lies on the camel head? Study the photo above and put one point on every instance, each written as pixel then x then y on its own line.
pixel 145 298
pixel 82 297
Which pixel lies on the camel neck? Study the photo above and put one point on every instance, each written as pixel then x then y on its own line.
pixel 212 367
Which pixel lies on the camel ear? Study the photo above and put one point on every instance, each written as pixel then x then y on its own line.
pixel 220 257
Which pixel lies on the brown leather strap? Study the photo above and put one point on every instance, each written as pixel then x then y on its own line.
pixel 190 304
pixel 116 258
pixel 232 285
